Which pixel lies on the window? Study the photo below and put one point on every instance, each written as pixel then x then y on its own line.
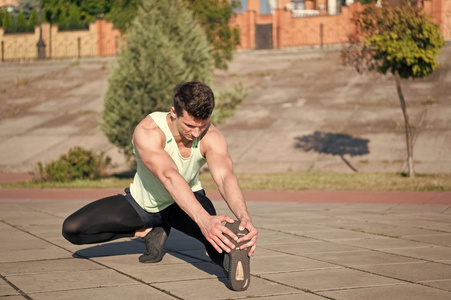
pixel 267 6
pixel 298 4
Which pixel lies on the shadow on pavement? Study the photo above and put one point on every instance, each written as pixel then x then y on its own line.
pixel 178 245
pixel 334 144
pixel 111 249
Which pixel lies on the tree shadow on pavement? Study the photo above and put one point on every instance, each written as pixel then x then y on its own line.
pixel 334 144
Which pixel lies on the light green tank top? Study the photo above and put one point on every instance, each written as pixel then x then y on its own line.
pixel 147 189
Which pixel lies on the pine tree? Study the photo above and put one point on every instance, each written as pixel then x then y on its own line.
pixel 33 20
pixel 21 23
pixel 73 19
pixel 2 13
pixel 164 48
pixel 7 22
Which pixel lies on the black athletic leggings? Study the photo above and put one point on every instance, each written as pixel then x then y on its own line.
pixel 115 217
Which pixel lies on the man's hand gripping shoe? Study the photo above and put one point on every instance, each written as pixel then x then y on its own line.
pixel 237 262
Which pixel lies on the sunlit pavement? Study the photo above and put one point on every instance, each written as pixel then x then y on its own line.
pixel 314 245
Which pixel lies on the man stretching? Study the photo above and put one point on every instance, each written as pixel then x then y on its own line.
pixel 170 149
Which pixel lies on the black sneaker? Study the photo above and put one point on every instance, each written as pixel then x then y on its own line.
pixel 237 263
pixel 155 241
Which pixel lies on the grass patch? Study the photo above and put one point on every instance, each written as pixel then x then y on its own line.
pixel 287 181
pixel 298 181
pixel 111 182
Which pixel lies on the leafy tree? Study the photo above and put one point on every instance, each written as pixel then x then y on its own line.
pixel 95 8
pixel 214 15
pixel 54 11
pixel 73 14
pixel 122 13
pixel 402 41
pixel 89 10
pixel 164 48
pixel 73 19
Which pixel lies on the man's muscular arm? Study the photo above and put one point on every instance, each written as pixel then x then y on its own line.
pixel 149 140
pixel 221 168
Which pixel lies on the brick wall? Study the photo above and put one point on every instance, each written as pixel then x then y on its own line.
pixel 440 10
pixel 77 43
pixel 246 23
pixel 108 39
pixel 290 32
pixel 263 19
pixel 19 45
pixel 101 39
pixel 446 20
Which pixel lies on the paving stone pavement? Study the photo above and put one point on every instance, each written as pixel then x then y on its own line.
pixel 305 251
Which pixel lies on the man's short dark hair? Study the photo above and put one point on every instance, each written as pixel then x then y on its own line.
pixel 196 98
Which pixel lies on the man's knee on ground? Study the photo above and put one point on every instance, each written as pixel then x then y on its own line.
pixel 71 231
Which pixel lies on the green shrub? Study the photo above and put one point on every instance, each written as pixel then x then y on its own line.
pixel 78 163
pixel 226 102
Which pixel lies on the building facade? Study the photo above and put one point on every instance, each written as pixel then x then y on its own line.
pixel 266 24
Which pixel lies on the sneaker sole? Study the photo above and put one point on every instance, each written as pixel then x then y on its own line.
pixel 239 272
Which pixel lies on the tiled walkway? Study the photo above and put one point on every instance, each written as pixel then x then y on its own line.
pixel 306 250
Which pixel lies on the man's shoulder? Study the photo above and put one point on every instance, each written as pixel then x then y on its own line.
pixel 148 130
pixel 213 139
pixel 213 133
pixel 147 124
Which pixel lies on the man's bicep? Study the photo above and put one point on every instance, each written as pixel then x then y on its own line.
pixel 161 165
pixel 151 150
